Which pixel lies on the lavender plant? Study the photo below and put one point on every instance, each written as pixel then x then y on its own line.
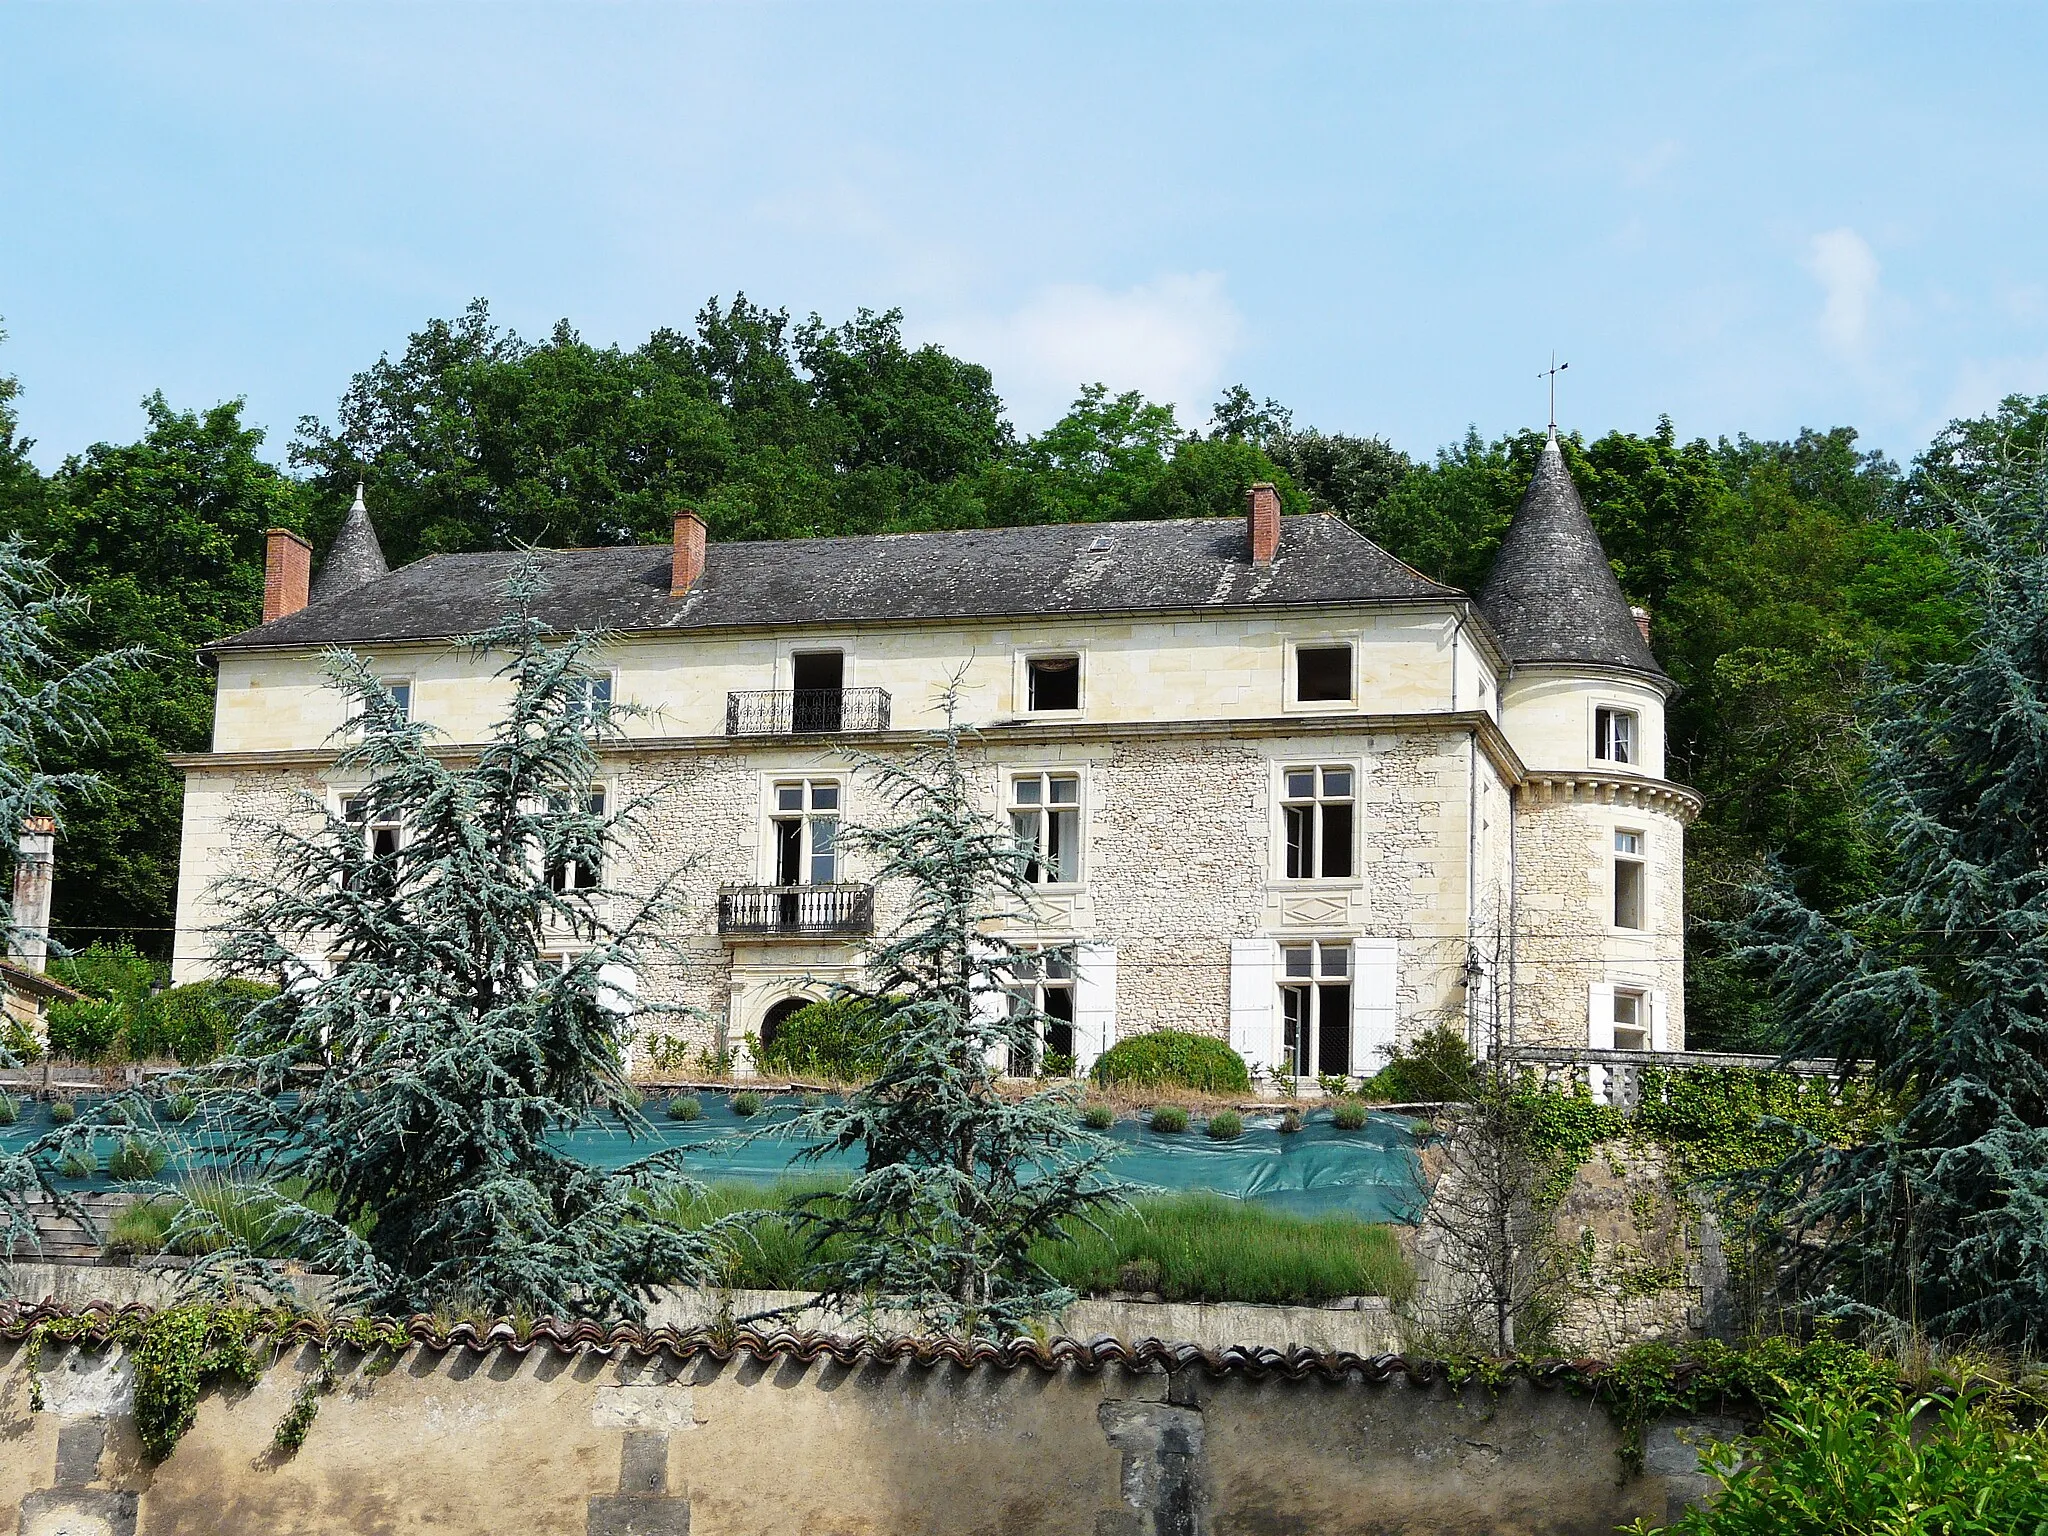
pixel 960 1180
pixel 451 1004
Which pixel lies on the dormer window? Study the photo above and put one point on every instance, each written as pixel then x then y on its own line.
pixel 1322 674
pixel 1615 733
pixel 1053 682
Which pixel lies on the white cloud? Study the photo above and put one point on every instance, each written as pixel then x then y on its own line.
pixel 1170 338
pixel 1846 268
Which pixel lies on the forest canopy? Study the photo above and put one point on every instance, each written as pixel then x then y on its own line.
pixel 1784 578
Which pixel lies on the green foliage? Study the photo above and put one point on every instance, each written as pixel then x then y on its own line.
pixel 1210 1248
pixel 839 1038
pixel 163 540
pixel 1435 1067
pixel 180 1107
pixel 1193 1247
pixel 438 1055
pixel 1224 1125
pixel 685 1106
pixel 63 1111
pixel 1932 1215
pixel 1290 1122
pixel 89 1030
pixel 114 972
pixel 1171 1058
pixel 136 1159
pixel 1349 1115
pixel 181 1351
pixel 1719 1123
pixel 10 1111
pixel 1169 1120
pixel 1098 1117
pixel 1830 1461
pixel 194 1023
pixel 747 1105
pixel 959 1180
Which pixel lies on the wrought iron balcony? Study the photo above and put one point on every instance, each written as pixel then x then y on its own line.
pixel 806 711
pixel 796 911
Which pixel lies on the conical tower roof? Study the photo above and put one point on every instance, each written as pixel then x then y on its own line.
pixel 1552 596
pixel 354 558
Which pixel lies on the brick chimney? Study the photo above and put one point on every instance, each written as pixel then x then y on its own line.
pixel 1642 618
pixel 287 573
pixel 1262 521
pixel 688 560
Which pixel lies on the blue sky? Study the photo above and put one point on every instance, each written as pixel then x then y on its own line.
pixel 1386 216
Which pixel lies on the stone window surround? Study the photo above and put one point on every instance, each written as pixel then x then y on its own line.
pixel 1290 704
pixel 787 650
pixel 1020 681
pixel 765 850
pixel 1276 828
pixel 1634 717
pixel 1641 858
pixel 1007 776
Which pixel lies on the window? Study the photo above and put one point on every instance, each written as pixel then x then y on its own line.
pixel 1045 818
pixel 1043 984
pixel 1614 735
pixel 1315 1009
pixel 590 698
pixel 380 829
pixel 1631 1021
pixel 1322 674
pixel 1318 816
pixel 584 872
pixel 1628 879
pixel 806 828
pixel 400 689
pixel 1053 682
pixel 817 702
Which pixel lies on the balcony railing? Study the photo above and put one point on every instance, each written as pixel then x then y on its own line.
pixel 1616 1077
pixel 806 711
pixel 796 911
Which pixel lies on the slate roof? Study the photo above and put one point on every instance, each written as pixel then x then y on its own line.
pixel 988 573
pixel 354 558
pixel 1552 596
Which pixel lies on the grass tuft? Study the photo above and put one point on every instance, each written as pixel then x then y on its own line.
pixel 1169 1119
pixel 1225 1125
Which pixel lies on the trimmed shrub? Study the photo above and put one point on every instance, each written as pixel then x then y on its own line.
pixel 79 1163
pixel 1225 1125
pixel 136 1159
pixel 86 1031
pixel 63 1111
pixel 1169 1119
pixel 180 1107
pixel 1436 1066
pixel 1290 1122
pixel 9 1110
pixel 1098 1117
pixel 838 1038
pixel 1349 1115
pixel 1172 1058
pixel 685 1106
pixel 746 1105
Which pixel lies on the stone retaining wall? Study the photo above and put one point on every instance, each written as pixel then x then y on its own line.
pixel 778 1437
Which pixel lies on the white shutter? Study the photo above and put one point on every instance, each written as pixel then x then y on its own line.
pixel 1599 1033
pixel 1254 1014
pixel 1094 1003
pixel 989 1005
pixel 618 990
pixel 1660 1039
pixel 1375 965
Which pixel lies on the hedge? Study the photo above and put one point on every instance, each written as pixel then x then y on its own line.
pixel 1172 1058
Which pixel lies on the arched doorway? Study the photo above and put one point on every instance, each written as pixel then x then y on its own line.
pixel 773 1020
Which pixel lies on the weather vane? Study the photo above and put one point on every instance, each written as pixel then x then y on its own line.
pixel 1551 374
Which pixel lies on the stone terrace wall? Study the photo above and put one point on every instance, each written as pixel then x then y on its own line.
pixel 779 1437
